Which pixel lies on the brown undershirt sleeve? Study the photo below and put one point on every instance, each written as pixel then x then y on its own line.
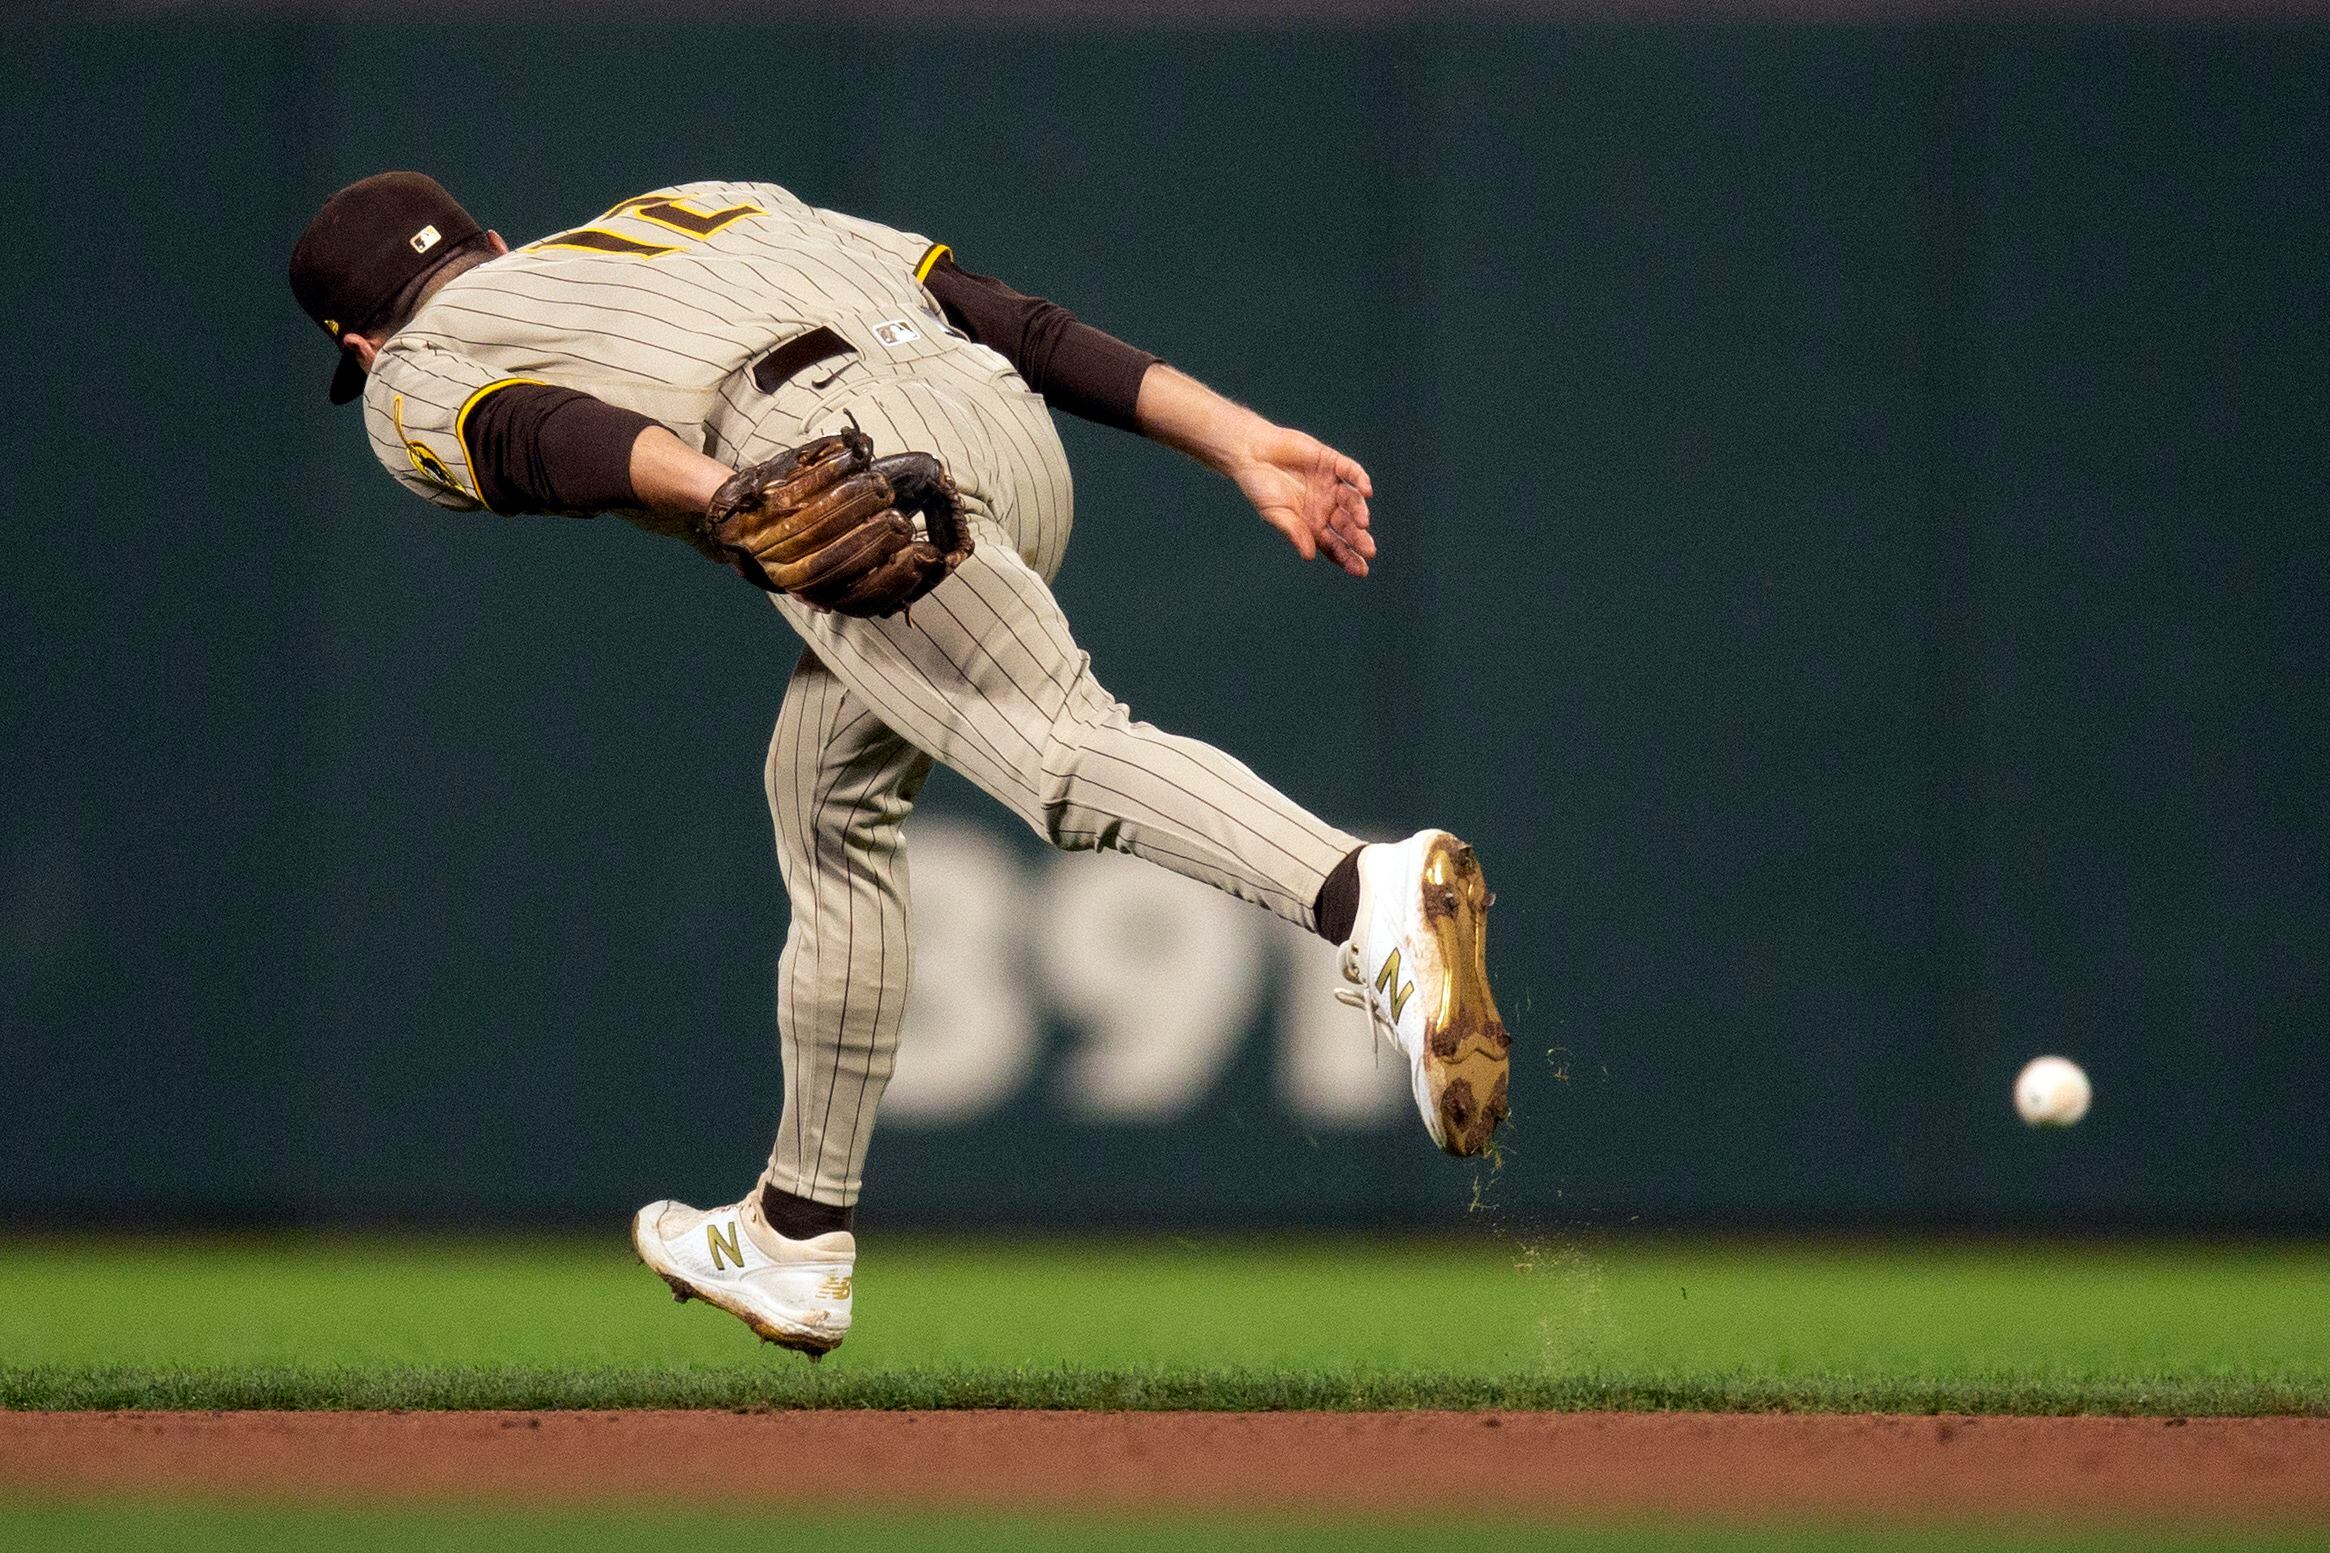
pixel 536 448
pixel 1076 367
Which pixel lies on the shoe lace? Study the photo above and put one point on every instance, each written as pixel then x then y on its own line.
pixel 1379 1021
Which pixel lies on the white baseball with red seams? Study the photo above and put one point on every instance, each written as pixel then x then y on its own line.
pixel 2052 1092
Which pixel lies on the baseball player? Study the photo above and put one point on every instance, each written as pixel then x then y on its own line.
pixel 860 426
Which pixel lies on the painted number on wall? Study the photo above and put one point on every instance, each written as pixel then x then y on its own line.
pixel 1160 981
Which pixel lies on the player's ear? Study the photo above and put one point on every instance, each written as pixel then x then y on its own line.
pixel 495 238
pixel 361 345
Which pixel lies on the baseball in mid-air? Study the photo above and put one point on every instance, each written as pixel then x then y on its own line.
pixel 2052 1092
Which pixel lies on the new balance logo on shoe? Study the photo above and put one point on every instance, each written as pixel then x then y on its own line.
pixel 713 1233
pixel 1389 978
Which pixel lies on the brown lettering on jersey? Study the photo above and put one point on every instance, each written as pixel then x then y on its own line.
pixel 597 241
pixel 681 216
pixel 676 215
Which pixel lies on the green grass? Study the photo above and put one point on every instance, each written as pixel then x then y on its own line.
pixel 1006 1321
pixel 247 1528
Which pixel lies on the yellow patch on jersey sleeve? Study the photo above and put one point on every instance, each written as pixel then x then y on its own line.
pixel 930 260
pixel 426 462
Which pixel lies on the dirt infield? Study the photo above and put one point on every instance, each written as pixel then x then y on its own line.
pixel 1617 1463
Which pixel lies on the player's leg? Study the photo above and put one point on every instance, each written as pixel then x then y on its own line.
pixel 968 678
pixel 840 783
pixel 985 676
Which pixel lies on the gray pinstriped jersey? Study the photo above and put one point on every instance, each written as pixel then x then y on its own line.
pixel 661 306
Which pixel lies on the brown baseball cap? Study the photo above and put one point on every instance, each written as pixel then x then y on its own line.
pixel 371 242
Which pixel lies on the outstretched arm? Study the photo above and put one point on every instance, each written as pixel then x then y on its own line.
pixel 535 448
pixel 1306 490
pixel 1303 488
pixel 1077 368
pixel 543 449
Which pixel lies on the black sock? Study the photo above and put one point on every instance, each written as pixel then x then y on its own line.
pixel 1338 904
pixel 797 1218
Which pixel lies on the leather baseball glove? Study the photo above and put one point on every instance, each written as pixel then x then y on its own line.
pixel 834 526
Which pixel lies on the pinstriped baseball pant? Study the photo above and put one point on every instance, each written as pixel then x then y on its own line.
pixel 984 676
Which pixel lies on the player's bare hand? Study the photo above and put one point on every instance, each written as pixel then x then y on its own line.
pixel 1310 493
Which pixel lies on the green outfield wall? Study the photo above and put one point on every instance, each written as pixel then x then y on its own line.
pixel 1854 516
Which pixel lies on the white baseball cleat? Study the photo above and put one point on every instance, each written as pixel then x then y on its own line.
pixel 794 1293
pixel 1417 956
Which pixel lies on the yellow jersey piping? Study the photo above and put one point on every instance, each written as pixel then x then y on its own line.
pixel 461 428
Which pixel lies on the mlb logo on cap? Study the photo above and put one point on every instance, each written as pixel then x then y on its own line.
pixel 372 241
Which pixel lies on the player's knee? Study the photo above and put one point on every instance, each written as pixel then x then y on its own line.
pixel 865 822
pixel 1051 782
pixel 1065 815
